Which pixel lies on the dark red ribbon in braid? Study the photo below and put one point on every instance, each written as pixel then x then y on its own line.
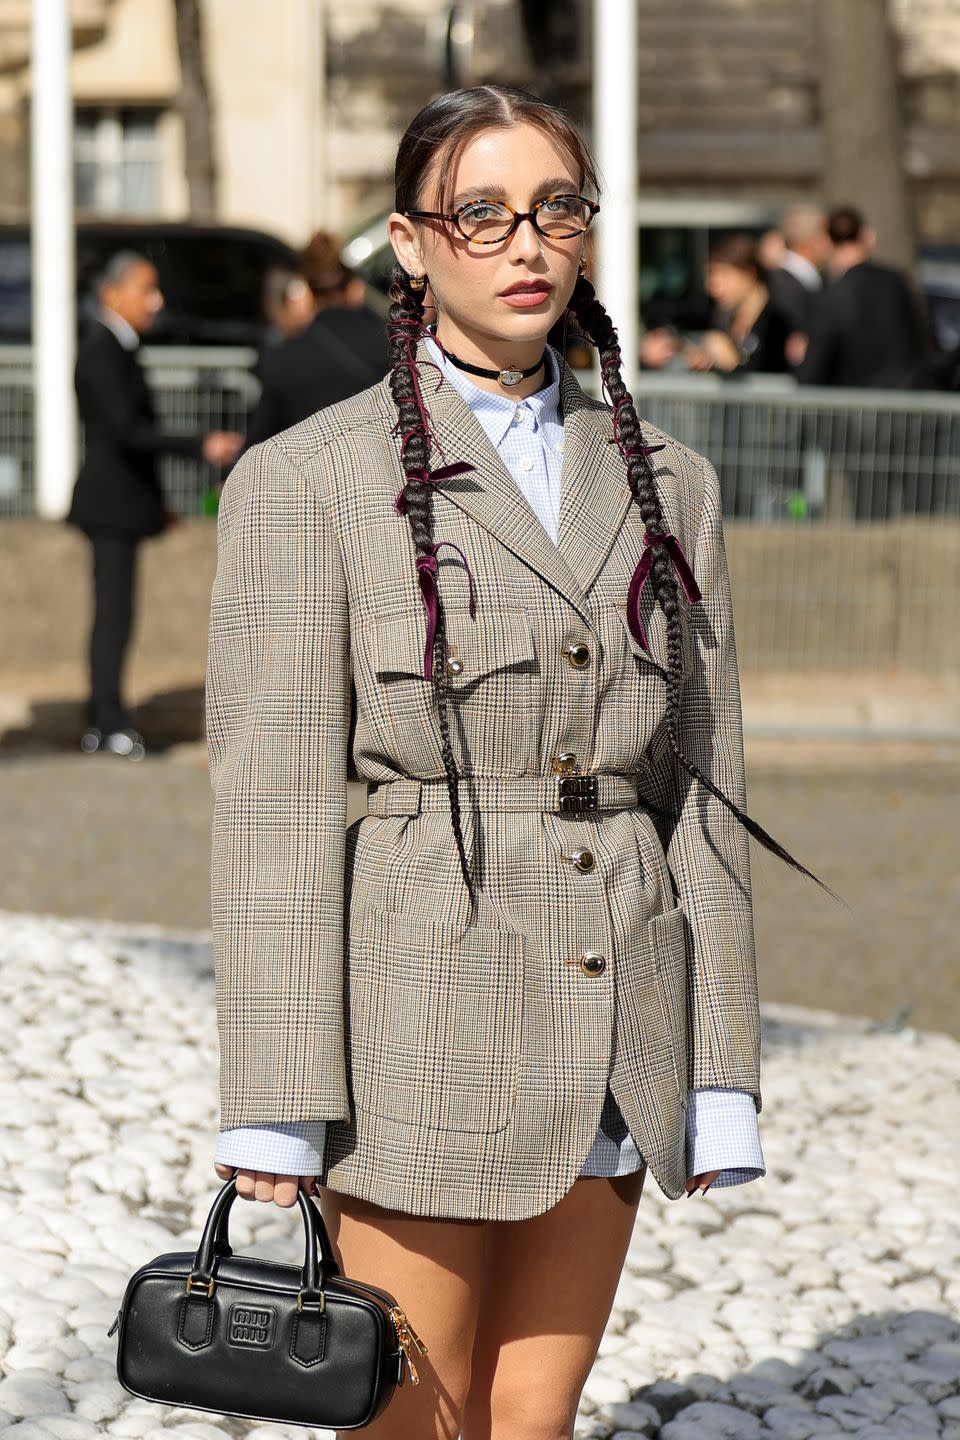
pixel 427 576
pixel 684 574
pixel 431 477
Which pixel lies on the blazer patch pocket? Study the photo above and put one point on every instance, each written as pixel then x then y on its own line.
pixel 435 1022
pixel 491 665
pixel 668 942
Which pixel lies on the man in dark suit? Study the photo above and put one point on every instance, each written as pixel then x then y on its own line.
pixel 117 499
pixel 866 328
pixel 341 352
pixel 797 280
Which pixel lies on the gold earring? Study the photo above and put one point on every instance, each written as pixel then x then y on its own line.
pixel 583 266
pixel 418 282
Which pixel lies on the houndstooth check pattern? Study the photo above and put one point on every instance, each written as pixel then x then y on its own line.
pixel 722 1130
pixel 437 1092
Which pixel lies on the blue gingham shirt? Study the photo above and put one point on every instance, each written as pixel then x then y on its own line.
pixel 722 1129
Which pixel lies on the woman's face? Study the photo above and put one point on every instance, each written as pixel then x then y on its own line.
pixel 509 294
pixel 727 284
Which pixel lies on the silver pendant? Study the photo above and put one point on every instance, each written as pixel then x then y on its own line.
pixel 511 377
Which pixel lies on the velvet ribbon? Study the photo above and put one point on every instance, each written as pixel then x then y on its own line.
pixel 427 577
pixel 431 477
pixel 684 574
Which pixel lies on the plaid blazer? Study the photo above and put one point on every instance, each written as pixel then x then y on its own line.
pixel 463 1059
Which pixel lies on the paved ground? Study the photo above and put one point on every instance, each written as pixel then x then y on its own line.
pixel 821 1301
pixel 107 839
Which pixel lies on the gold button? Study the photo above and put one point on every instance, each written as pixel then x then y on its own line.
pixel 592 963
pixel 578 655
pixel 582 860
pixel 454 666
pixel 565 763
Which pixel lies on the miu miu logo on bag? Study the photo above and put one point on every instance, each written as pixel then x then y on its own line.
pixel 249 1326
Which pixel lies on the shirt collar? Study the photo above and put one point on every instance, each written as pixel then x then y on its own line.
pixel 119 327
pixel 495 412
pixel 801 269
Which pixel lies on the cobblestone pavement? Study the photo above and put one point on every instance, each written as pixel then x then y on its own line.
pixel 111 840
pixel 821 1301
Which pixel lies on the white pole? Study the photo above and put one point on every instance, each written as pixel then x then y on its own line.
pixel 53 262
pixel 615 143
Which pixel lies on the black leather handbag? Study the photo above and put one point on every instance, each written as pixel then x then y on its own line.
pixel 260 1340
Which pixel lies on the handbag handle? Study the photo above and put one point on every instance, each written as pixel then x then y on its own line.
pixel 319 1263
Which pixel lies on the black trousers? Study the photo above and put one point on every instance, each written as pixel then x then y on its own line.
pixel 114 576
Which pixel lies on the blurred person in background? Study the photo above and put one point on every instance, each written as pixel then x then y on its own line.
pixel 288 304
pixel 342 351
pixel 117 499
pixel 796 279
pixel 751 333
pixel 866 327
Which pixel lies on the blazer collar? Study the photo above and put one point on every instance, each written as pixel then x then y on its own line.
pixel 594 495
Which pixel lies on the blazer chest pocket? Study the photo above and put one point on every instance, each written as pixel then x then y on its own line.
pixel 655 661
pixel 490 670
pixel 435 1021
pixel 668 942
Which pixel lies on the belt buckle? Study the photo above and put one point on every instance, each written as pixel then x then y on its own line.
pixel 576 794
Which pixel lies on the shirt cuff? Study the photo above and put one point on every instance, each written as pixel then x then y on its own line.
pixel 294 1148
pixel 723 1134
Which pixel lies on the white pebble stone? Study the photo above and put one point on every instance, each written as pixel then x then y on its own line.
pixel 705 1420
pixel 24 1395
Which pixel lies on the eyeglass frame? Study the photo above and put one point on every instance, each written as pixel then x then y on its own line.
pixel 518 217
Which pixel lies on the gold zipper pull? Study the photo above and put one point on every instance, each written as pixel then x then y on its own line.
pixel 407 1338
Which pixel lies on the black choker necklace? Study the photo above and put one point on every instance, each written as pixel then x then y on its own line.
pixel 510 376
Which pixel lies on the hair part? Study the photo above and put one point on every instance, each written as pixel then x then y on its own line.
pixel 437 136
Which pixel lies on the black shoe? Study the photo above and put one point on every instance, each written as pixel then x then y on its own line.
pixel 126 743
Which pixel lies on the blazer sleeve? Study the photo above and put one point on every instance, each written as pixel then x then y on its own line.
pixel 278 713
pixel 708 850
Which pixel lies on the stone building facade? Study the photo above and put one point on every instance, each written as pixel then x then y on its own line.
pixel 309 97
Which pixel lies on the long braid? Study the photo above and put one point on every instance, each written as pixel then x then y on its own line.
pixel 598 327
pixel 404 325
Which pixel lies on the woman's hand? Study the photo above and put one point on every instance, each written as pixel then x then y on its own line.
pixel 261 1185
pixel 706 1179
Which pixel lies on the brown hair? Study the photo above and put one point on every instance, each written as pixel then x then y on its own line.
pixel 433 140
pixel 322 267
pixel 740 251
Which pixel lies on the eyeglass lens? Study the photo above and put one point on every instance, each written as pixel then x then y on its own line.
pixel 559 217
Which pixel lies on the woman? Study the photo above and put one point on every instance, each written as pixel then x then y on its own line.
pixel 470 1024
pixel 755 332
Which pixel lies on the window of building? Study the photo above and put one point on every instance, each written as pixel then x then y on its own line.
pixel 117 155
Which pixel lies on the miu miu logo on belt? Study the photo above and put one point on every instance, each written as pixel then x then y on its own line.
pixel 249 1326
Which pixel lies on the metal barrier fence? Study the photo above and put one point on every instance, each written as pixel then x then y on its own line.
pixel 784 454
pixel 788 453
pixel 194 391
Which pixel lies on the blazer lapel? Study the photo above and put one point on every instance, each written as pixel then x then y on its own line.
pixel 595 495
pixel 489 494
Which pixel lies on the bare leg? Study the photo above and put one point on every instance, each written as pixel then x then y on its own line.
pixel 551 1284
pixel 435 1271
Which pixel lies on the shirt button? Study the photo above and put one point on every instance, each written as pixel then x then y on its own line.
pixel 526 463
pixel 592 964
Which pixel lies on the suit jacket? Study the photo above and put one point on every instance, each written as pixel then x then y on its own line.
pixel 464 1060
pixel 117 487
pixel 792 298
pixel 342 351
pixel 865 330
